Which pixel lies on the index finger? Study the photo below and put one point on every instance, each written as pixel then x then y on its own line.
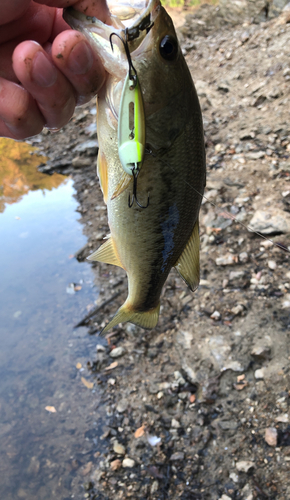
pixel 98 9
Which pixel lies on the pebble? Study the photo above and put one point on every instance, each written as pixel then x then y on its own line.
pixel 272 264
pixel 154 487
pixel 226 260
pixel 243 257
pixel 261 352
pixel 215 315
pixel 80 161
pixel 117 352
pixel 119 448
pixel 128 463
pixel 225 497
pixel 270 223
pixel 122 406
pixel 116 464
pixel 175 424
pixel 179 455
pixel 238 309
pixel 260 373
pixel 244 465
pixel 234 477
pixel 284 419
pixel 271 436
pixel 179 378
pixel 88 147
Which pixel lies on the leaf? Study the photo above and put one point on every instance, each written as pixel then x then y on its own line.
pixel 51 409
pixel 112 366
pixel 88 384
pixel 139 432
pixel 78 366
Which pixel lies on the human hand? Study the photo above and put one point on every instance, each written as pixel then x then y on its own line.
pixel 46 69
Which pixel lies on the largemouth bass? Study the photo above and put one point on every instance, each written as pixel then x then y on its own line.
pixel 148 242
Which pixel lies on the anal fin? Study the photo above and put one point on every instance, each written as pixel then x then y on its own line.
pixel 188 263
pixel 122 184
pixel 106 253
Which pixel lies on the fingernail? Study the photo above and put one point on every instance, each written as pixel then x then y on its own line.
pixel 44 73
pixel 80 59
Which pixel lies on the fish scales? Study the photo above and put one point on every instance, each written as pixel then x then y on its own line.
pixel 147 243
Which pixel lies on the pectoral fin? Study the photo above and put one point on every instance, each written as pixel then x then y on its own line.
pixel 102 170
pixel 122 185
pixel 146 319
pixel 188 263
pixel 107 254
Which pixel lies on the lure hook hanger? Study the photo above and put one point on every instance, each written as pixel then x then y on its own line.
pixel 132 70
pixel 135 172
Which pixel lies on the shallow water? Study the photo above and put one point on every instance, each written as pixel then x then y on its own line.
pixel 41 453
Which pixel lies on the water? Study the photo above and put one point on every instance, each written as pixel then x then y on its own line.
pixel 42 452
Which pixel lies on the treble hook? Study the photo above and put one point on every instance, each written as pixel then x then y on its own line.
pixel 135 172
pixel 132 70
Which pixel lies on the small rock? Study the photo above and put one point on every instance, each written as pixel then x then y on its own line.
pixel 100 348
pixel 179 378
pixel 261 352
pixel 226 260
pixel 119 448
pixel 116 464
pixel 244 465
pixel 225 497
pixel 117 352
pixel 80 161
pixel 154 487
pixel 284 419
pixel 234 477
pixel 122 406
pixel 271 436
pixel 270 222
pixel 243 257
pixel 88 147
pixel 153 440
pixel 238 309
pixel 247 492
pixel 272 264
pixel 175 424
pixel 229 425
pixel 128 463
pixel 256 155
pixel 179 455
pixel 259 374
pixel 215 315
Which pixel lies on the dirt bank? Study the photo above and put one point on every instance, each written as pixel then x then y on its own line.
pixel 202 388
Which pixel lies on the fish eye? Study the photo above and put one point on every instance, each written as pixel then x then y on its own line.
pixel 168 48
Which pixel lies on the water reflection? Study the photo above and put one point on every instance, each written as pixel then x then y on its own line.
pixel 18 172
pixel 42 453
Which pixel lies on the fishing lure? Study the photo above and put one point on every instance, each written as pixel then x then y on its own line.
pixel 131 124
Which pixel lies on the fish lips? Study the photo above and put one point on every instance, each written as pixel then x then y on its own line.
pixel 99 34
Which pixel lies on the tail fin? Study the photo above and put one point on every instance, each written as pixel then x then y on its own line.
pixel 146 319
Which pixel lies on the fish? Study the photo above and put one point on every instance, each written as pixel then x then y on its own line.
pixel 148 242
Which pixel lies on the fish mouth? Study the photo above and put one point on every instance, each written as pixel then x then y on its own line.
pixel 131 20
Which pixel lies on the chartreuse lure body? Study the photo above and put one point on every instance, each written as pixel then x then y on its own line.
pixel 131 126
